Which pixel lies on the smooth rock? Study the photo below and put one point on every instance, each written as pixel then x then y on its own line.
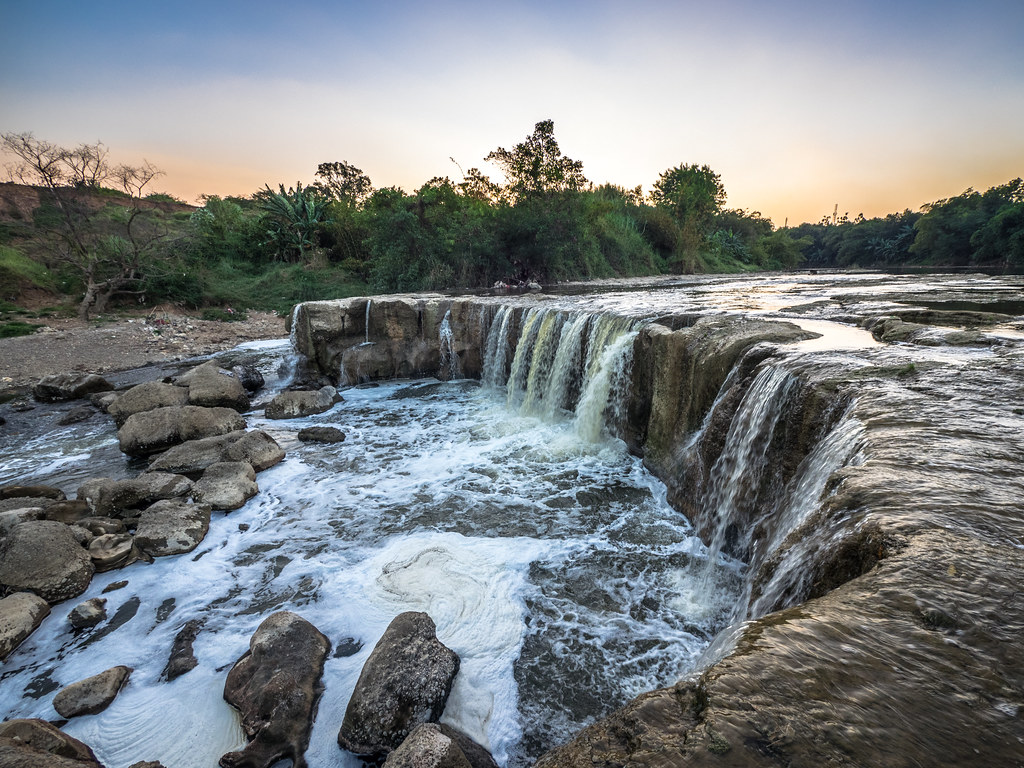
pixel 77 415
pixel 183 658
pixel 112 550
pixel 13 517
pixel 153 431
pixel 20 614
pixel 433 745
pixel 43 557
pixel 293 405
pixel 69 386
pixel 257 448
pixel 110 498
pixel 34 743
pixel 405 682
pixel 31 491
pixel 88 614
pixel 226 485
pixel 92 695
pixel 276 686
pixel 321 435
pixel 212 387
pixel 67 512
pixel 146 397
pixel 172 528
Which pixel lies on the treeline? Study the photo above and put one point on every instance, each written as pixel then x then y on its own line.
pixel 975 229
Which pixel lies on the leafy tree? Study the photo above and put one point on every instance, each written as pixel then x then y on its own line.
pixel 343 182
pixel 1001 240
pixel 292 218
pixel 694 195
pixel 537 166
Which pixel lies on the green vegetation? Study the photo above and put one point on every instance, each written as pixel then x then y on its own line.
pixel 338 236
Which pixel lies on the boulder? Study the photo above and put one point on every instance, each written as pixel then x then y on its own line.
pixel 31 491
pixel 432 745
pixel 405 682
pixel 9 518
pixel 69 386
pixel 275 686
pixel 293 405
pixel 20 614
pixel 33 743
pixel 257 448
pixel 249 376
pixel 321 435
pixel 103 400
pixel 146 397
pixel 112 550
pixel 211 386
pixel 110 498
pixel 172 528
pixel 159 429
pixel 92 695
pixel 88 614
pixel 183 657
pixel 77 415
pixel 43 557
pixel 67 512
pixel 226 485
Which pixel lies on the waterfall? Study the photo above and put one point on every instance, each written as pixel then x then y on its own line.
pixel 366 323
pixel 449 359
pixel 496 352
pixel 604 392
pixel 290 362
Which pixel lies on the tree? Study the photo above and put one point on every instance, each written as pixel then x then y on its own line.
pixel 105 244
pixel 292 217
pixel 343 182
pixel 536 166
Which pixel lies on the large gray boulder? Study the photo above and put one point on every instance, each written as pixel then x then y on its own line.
pixel 43 557
pixel 432 745
pixel 92 695
pixel 34 743
pixel 153 431
pixel 405 682
pixel 172 528
pixel 293 405
pixel 69 386
pixel 146 397
pixel 20 615
pixel 110 498
pixel 226 485
pixel 211 386
pixel 275 686
pixel 257 448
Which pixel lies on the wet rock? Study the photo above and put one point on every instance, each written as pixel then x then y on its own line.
pixel 212 387
pixel 92 695
pixel 69 386
pixel 432 745
pixel 20 614
pixel 67 512
pixel 227 485
pixel 110 498
pixel 77 415
pixel 101 526
pixel 34 743
pixel 146 397
pixel 275 686
pixel 82 535
pixel 31 491
pixel 103 400
pixel 183 658
pixel 147 764
pixel 249 376
pixel 88 614
pixel 293 405
pixel 405 682
pixel 172 528
pixel 114 586
pixel 43 557
pixel 256 447
pixel 112 550
pixel 321 435
pixel 153 431
pixel 10 518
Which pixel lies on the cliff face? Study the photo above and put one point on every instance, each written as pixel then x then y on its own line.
pixel 877 505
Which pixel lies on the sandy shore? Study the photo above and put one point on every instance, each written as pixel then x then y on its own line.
pixel 97 347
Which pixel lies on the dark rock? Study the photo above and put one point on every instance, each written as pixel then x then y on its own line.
pixel 31 491
pixel 293 405
pixel 114 586
pixel 113 497
pixel 77 415
pixel 147 764
pixel 477 755
pixel 36 743
pixel 67 512
pixel 172 528
pixel 92 695
pixel 405 682
pixel 276 686
pixel 69 386
pixel 43 557
pixel 183 657
pixel 112 550
pixel 432 745
pixel 88 614
pixel 226 485
pixel 257 448
pixel 153 431
pixel 20 615
pixel 103 400
pixel 249 376
pixel 11 518
pixel 321 435
pixel 146 397
pixel 101 526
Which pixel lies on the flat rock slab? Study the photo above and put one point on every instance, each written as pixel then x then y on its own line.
pixel 256 447
pixel 31 491
pixel 69 386
pixel 405 682
pixel 34 743
pixel 153 431
pixel 227 485
pixel 146 397
pixel 172 528
pixel 20 614
pixel 108 498
pixel 43 557
pixel 92 695
pixel 276 686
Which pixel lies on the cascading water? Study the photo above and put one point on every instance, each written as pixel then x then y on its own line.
pixel 497 349
pixel 449 359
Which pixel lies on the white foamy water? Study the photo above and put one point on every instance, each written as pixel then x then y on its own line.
pixel 550 563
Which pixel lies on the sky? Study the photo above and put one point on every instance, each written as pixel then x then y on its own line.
pixel 799 106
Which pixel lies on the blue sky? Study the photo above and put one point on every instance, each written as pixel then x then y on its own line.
pixel 874 106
